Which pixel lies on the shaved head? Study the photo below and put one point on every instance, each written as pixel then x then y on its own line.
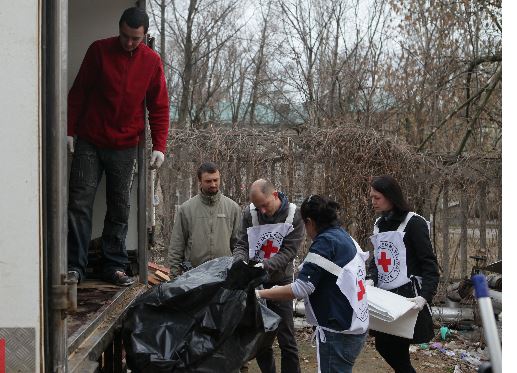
pixel 264 196
pixel 262 186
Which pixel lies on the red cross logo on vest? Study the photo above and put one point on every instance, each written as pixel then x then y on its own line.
pixel 269 249
pixel 362 290
pixel 384 261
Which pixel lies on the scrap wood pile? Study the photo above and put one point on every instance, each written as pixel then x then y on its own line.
pixel 157 274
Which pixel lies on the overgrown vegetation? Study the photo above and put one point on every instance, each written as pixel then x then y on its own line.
pixel 320 95
pixel 337 162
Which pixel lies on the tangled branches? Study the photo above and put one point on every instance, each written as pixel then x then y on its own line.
pixel 337 162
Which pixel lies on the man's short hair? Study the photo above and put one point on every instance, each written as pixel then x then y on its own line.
pixel 209 167
pixel 135 17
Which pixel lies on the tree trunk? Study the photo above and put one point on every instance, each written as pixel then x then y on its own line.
pixel 482 220
pixel 333 70
pixel 163 53
pixel 445 233
pixel 258 68
pixel 184 109
pixel 464 237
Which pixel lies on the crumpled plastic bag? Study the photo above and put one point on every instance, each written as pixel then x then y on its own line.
pixel 206 320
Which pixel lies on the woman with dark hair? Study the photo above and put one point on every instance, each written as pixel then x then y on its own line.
pixel 404 263
pixel 331 283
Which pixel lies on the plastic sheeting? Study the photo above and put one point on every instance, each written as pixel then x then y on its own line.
pixel 207 320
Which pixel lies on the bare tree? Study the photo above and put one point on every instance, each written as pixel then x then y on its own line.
pixel 449 55
pixel 259 60
pixel 200 32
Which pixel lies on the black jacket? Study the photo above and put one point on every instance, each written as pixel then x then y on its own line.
pixel 421 261
pixel 280 266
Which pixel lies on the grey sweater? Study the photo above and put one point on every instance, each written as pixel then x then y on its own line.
pixel 205 227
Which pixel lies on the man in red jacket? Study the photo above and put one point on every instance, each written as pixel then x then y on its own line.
pixel 106 116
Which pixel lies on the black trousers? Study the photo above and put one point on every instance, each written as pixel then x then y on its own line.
pixel 88 165
pixel 286 339
pixel 395 350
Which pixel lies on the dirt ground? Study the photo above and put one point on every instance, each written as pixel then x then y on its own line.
pixel 369 361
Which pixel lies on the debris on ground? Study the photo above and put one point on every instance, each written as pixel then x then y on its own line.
pixel 157 273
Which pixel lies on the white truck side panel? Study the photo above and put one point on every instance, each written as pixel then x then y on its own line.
pixel 20 177
pixel 20 210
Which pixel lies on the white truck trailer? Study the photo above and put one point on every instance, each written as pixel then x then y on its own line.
pixel 47 323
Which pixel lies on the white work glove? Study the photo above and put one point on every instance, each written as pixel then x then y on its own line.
pixel 157 158
pixel 369 282
pixel 70 144
pixel 419 301
pixel 257 295
pixel 259 265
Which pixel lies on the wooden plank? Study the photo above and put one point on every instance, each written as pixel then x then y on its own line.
pixel 162 276
pixel 152 279
pixel 156 267
pixel 97 284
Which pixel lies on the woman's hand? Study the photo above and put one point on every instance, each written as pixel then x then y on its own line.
pixel 419 301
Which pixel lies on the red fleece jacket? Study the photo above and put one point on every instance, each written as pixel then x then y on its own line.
pixel 106 101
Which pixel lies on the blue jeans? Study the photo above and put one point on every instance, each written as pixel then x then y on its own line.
pixel 88 165
pixel 338 353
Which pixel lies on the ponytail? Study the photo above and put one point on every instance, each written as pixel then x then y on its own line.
pixel 321 210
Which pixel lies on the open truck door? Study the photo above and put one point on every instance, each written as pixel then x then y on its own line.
pixel 43 326
pixel 93 338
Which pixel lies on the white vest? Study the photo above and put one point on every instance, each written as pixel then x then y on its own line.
pixel 265 240
pixel 351 282
pixel 390 255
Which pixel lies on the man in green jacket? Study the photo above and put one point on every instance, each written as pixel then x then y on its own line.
pixel 205 226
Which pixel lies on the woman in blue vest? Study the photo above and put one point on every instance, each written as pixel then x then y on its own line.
pixel 332 283
pixel 403 263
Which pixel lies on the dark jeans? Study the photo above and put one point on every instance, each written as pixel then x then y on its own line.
pixel 339 351
pixel 286 339
pixel 88 164
pixel 395 350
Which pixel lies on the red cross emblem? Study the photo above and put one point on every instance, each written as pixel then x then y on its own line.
pixel 384 261
pixel 269 249
pixel 362 290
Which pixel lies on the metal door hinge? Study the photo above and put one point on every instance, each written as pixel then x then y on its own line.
pixel 64 297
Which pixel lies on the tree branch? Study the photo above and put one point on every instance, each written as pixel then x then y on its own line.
pixel 492 83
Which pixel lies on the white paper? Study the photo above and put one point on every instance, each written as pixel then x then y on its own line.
pixel 391 313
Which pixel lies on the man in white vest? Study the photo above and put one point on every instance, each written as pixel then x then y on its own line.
pixel 271 233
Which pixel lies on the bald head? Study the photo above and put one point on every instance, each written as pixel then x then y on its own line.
pixel 265 197
pixel 262 186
